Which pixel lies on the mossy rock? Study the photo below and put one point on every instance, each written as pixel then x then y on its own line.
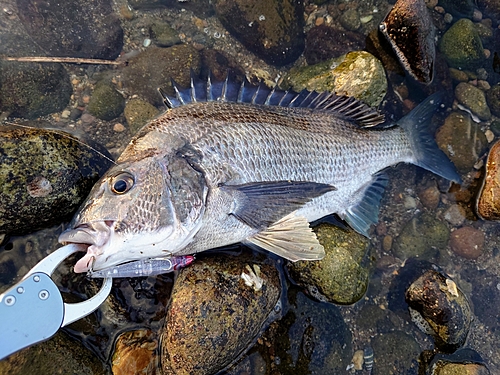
pixel 138 112
pixel 106 103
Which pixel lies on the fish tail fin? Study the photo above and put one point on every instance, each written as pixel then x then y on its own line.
pixel 425 149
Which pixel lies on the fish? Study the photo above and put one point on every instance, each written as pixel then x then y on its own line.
pixel 232 162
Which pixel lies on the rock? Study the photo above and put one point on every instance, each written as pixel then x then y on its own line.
pixel 455 215
pixel 324 42
pixel 31 90
pixel 459 8
pixel 272 29
pixel 219 64
pixel 51 357
pixel 395 353
pixel 495 127
pixel 218 307
pixel 491 8
pixel 340 276
pixel 439 308
pixel 79 28
pixel 44 176
pixel 154 68
pixel 420 237
pixel 461 140
pixel 134 353
pixel 410 31
pixel 430 197
pixel 467 242
pixel 461 45
pixel 463 362
pixel 164 35
pixel 358 74
pixel 493 99
pixel 139 112
pixel 488 202
pixel 459 75
pixel 106 103
pixel 474 99
pixel 350 19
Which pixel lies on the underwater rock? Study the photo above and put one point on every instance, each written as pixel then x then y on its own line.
pixel 77 28
pixel 358 74
pixel 462 46
pixel 139 112
pixel 461 140
pixel 420 237
pixel 164 35
pixel 459 8
pixel 409 29
pixel 340 277
pixel 324 42
pixel 106 103
pixel 60 354
pixel 493 99
pixel 31 90
pixel 349 19
pixel 44 177
pixel 154 68
pixel 439 308
pixel 468 242
pixel 464 361
pixel 395 353
pixel 491 8
pixel 219 306
pixel 271 29
pixel 488 202
pixel 134 353
pixel 474 99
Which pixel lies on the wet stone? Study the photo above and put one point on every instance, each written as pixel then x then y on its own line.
pixel 350 19
pixel 31 90
pixel 467 242
pixel 358 74
pixel 420 237
pixel 340 277
pixel 44 176
pixel 493 99
pixel 409 29
pixel 474 99
pixel 491 8
pixel 464 361
pixel 154 68
pixel 488 202
pixel 395 353
pixel 106 103
pixel 139 112
pixel 218 308
pixel 52 25
pixel 461 140
pixel 272 29
pixel 164 35
pixel 134 352
pixel 455 215
pixel 439 308
pixel 459 8
pixel 462 46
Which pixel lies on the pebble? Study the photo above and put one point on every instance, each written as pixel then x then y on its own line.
pixel 358 360
pixel 430 197
pixel 474 99
pixel 387 243
pixel 467 242
pixel 489 135
pixel 118 127
pixel 455 215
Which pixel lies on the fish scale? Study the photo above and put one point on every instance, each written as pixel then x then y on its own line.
pixel 223 166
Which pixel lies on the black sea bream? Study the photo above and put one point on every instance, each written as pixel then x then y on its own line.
pixel 230 163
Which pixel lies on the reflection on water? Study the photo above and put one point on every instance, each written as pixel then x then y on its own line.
pixel 421 217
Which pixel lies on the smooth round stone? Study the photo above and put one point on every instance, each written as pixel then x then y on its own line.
pixel 138 113
pixel 439 308
pixel 474 99
pixel 218 307
pixel 468 242
pixel 106 103
pixel 488 202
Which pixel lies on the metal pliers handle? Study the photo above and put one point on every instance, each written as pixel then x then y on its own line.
pixel 33 310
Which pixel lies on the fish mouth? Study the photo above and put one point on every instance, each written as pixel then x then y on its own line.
pixel 95 234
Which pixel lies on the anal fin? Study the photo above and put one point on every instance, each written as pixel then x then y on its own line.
pixel 365 213
pixel 291 238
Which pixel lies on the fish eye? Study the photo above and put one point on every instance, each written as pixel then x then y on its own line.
pixel 122 183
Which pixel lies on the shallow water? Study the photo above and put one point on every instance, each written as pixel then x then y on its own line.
pixel 362 323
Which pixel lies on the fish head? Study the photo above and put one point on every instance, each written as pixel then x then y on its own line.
pixel 142 209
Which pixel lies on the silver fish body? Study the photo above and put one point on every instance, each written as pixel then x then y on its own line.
pixel 212 173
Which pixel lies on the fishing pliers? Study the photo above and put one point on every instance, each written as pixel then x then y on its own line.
pixel 33 310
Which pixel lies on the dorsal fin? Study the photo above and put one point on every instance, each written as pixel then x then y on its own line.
pixel 229 90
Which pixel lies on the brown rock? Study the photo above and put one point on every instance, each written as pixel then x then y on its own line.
pixel 467 242
pixel 134 352
pixel 488 203
pixel 430 197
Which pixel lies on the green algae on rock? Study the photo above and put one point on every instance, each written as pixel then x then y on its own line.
pixel 420 237
pixel 218 308
pixel 340 277
pixel 106 103
pixel 138 112
pixel 462 46
pixel 358 74
pixel 44 177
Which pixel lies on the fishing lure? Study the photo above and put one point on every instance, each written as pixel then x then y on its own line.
pixel 143 267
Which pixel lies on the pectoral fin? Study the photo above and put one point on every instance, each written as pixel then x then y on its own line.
pixel 261 204
pixel 291 238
